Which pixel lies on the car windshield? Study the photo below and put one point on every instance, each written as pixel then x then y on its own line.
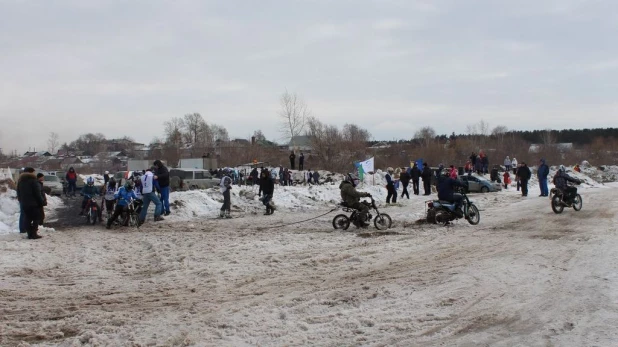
pixel 51 178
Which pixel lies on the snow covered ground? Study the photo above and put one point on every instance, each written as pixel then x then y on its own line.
pixel 524 276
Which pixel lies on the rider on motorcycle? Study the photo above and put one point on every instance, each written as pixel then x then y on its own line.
pixel 446 191
pixel 89 191
pixel 351 197
pixel 560 181
pixel 123 196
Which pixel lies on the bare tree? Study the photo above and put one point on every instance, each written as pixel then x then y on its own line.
pixel 294 114
pixel 259 136
pixel 548 137
pixel 173 131
pixel 499 132
pixel 193 125
pixel 53 142
pixel 426 135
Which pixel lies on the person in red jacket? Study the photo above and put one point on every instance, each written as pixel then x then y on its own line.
pixel 507 179
pixel 71 178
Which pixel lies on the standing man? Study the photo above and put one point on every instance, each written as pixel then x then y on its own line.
pixel 405 180
pixel 415 174
pixel 162 175
pixel 301 161
pixel 149 195
pixel 71 178
pixel 390 186
pixel 29 197
pixel 292 160
pixel 542 174
pixel 316 177
pixel 507 163
pixel 426 175
pixel 226 186
pixel 268 188
pixel 524 175
pixel 41 178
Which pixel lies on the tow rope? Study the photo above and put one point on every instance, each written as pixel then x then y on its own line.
pixel 302 221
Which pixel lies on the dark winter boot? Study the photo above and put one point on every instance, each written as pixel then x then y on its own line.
pixel 267 211
pixel 227 214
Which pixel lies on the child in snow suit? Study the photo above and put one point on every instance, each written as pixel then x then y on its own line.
pixel 507 179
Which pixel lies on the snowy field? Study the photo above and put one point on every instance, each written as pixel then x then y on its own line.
pixel 523 277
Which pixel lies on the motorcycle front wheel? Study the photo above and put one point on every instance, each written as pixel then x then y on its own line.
pixel 382 221
pixel 92 217
pixel 556 204
pixel 578 202
pixel 341 221
pixel 474 216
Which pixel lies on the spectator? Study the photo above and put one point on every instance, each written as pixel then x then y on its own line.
pixel 149 195
pixel 542 174
pixel 576 168
pixel 507 163
pixel 226 186
pixel 397 177
pixel 309 176
pixel 41 178
pixel 426 175
pixel 162 175
pixel 105 178
pixel 268 188
pixel 468 168
pixel 71 178
pixel 514 165
pixel 316 177
pixel 453 172
pixel 390 186
pixel 262 181
pixel 301 161
pixel 485 162
pixel 507 179
pixel 253 175
pixel 473 159
pixel 524 175
pixel 292 160
pixel 405 180
pixel 415 175
pixel 29 197
pixel 517 181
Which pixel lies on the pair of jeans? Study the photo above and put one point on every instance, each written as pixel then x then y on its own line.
pixel 147 198
pixel 543 186
pixel 165 199
pixel 72 188
pixel 22 220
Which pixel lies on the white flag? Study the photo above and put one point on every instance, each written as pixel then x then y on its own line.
pixel 367 165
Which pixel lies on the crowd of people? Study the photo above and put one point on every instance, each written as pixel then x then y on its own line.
pixel 153 186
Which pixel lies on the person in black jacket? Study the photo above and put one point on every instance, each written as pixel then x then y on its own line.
pixel 162 175
pixel 446 191
pixel 268 188
pixel 415 175
pixel 301 161
pixel 524 175
pixel 405 180
pixel 41 178
pixel 426 175
pixel 292 160
pixel 29 196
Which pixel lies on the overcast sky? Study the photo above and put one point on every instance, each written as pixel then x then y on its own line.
pixel 124 67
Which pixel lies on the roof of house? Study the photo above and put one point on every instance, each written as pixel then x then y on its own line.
pixel 301 140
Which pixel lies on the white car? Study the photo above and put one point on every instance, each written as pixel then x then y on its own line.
pixel 480 184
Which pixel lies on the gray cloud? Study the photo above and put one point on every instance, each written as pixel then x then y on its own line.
pixel 123 68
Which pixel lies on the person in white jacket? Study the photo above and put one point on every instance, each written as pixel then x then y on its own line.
pixel 507 163
pixel 514 165
pixel 148 195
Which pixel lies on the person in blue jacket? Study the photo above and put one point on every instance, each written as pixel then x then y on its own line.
pixel 446 191
pixel 542 174
pixel 123 196
pixel 90 191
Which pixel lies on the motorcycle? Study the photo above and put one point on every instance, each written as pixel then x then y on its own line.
pixel 443 212
pixel 558 204
pixel 382 221
pixel 92 211
pixel 130 216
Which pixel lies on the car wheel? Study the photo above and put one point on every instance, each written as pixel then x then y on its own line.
pixel 484 190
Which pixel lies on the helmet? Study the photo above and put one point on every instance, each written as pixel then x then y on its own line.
pixel 129 185
pixel 107 172
pixel 561 168
pixel 353 178
pixel 90 181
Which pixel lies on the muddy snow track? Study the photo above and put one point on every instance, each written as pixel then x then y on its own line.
pixel 524 276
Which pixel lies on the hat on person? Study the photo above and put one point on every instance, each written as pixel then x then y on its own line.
pixel 39 175
pixel 29 169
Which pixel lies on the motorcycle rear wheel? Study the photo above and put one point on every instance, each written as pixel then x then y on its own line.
pixel 382 221
pixel 556 204
pixel 578 203
pixel 431 216
pixel 442 217
pixel 341 221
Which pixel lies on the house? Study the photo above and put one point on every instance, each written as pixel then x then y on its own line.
pixel 300 143
pixel 37 154
pixel 110 155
